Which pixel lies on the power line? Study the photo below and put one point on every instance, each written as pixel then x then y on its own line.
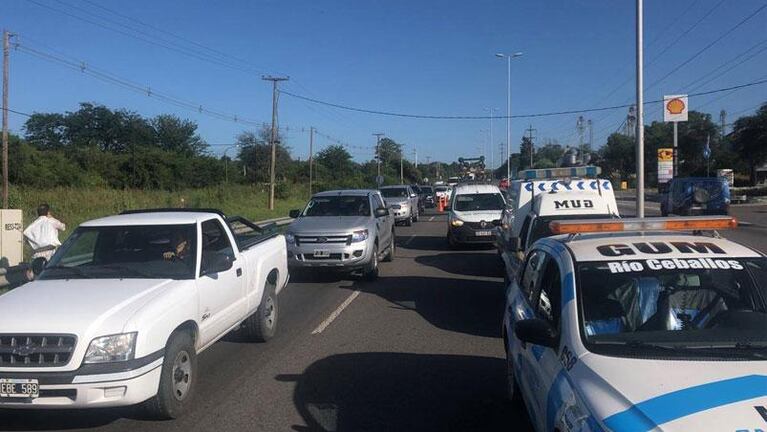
pixel 516 116
pixel 19 112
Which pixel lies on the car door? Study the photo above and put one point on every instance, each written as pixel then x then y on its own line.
pixel 547 364
pixel 383 223
pixel 221 294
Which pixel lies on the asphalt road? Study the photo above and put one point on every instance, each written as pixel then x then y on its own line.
pixel 419 349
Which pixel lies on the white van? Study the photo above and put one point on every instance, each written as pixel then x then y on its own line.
pixel 475 211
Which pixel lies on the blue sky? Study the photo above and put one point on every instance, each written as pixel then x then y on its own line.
pixel 423 57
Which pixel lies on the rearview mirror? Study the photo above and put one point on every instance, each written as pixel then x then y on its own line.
pixel 38 265
pixel 294 213
pixel 215 262
pixel 537 332
pixel 381 212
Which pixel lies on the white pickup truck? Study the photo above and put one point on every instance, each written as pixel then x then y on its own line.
pixel 120 313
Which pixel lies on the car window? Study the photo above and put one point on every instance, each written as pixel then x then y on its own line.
pixel 479 202
pixel 215 239
pixel 377 203
pixel 549 293
pixel 400 192
pixel 343 205
pixel 531 273
pixel 523 232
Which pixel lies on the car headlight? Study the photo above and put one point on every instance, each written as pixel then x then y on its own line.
pixel 113 348
pixel 358 236
pixel 290 238
pixel 456 222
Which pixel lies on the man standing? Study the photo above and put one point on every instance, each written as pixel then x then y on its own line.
pixel 43 234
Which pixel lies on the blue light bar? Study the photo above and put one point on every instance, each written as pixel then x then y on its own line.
pixel 555 173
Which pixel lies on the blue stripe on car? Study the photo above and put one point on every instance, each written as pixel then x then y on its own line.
pixel 661 409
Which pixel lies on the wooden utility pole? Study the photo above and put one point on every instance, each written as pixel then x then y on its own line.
pixel 311 158
pixel 530 131
pixel 6 54
pixel 273 139
pixel 378 151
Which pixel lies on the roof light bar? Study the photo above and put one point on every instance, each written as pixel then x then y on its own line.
pixel 694 223
pixel 557 173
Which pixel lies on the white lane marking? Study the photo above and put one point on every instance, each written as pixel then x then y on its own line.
pixel 408 240
pixel 323 325
pixel 431 218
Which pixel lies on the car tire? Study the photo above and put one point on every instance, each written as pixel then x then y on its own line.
pixel 392 248
pixel 409 220
pixel 262 324
pixel 177 379
pixel 371 272
pixel 512 388
pixel 417 215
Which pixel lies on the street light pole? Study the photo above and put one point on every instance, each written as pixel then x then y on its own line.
pixel 508 108
pixel 640 108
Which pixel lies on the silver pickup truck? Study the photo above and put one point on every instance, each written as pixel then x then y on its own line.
pixel 345 230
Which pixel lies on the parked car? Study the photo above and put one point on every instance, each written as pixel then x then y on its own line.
pixel 125 306
pixel 403 201
pixel 689 196
pixel 344 230
pixel 475 211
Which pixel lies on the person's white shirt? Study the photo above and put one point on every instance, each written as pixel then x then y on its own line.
pixel 43 236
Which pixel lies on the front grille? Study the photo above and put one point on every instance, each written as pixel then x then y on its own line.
pixel 488 224
pixel 319 239
pixel 36 350
pixel 333 256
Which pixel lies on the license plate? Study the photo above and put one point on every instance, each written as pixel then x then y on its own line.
pixel 321 253
pixel 483 233
pixel 19 388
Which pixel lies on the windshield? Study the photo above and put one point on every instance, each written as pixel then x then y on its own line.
pixel 541 226
pixel 440 189
pixel 682 304
pixel 394 193
pixel 141 251
pixel 344 205
pixel 426 190
pixel 478 202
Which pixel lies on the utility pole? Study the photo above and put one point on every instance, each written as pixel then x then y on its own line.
pixel 530 131
pixel 640 107
pixel 6 55
pixel 378 149
pixel 274 81
pixel 401 171
pixel 723 121
pixel 591 133
pixel 492 152
pixel 579 127
pixel 311 157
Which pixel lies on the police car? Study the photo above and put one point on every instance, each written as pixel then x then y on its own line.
pixel 632 325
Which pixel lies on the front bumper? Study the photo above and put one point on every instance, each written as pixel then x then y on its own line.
pixel 341 256
pixel 466 234
pixel 98 390
pixel 402 214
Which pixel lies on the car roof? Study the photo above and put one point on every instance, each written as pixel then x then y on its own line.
pixel 152 218
pixel 394 186
pixel 470 188
pixel 356 192
pixel 584 247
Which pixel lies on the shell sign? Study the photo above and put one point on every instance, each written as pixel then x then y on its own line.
pixel 675 108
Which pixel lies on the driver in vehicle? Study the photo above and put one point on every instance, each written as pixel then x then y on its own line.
pixel 180 248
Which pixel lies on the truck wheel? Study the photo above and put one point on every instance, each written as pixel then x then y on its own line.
pixel 178 379
pixel 262 325
pixel 371 273
pixel 390 255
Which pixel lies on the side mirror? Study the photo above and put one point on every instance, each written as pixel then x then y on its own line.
pixel 38 265
pixel 381 212
pixel 215 262
pixel 413 195
pixel 537 332
pixel 515 244
pixel 294 213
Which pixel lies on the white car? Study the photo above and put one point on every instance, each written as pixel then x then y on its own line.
pixel 475 211
pixel 127 303
pixel 623 325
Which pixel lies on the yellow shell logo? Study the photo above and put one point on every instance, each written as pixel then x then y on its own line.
pixel 675 106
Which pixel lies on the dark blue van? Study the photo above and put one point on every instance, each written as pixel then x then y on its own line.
pixel 690 196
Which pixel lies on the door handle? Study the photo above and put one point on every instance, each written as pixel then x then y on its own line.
pixel 239 272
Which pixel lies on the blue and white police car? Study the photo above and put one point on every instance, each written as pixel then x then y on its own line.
pixel 634 325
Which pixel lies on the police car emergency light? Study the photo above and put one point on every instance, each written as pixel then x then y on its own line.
pixel 695 223
pixel 558 173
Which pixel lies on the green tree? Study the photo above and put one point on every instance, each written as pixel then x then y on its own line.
pixel 750 139
pixel 525 150
pixel 177 135
pixel 256 153
pixel 618 157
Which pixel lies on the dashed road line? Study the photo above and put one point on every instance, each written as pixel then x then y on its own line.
pixel 323 325
pixel 431 218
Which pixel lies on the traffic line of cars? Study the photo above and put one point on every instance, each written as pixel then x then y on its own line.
pixel 630 324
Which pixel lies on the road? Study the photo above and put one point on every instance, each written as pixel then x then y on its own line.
pixel 419 349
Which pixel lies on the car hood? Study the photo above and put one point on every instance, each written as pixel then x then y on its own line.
pixel 77 306
pixel 478 216
pixel 328 224
pixel 698 395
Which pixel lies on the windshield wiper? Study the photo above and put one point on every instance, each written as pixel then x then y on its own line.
pixel 639 344
pixel 76 270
